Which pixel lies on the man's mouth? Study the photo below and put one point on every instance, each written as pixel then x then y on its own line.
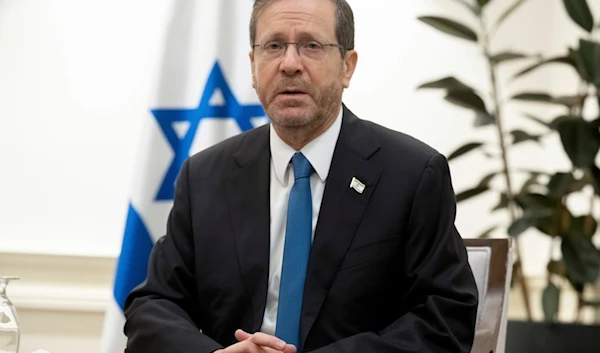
pixel 291 91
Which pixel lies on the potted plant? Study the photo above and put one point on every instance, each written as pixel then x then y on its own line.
pixel 541 201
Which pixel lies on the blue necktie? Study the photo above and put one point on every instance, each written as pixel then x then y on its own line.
pixel 295 254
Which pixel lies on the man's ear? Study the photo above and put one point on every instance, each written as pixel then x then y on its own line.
pixel 350 61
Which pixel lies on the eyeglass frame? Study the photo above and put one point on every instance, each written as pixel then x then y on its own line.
pixel 287 44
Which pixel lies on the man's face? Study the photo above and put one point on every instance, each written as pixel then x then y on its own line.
pixel 299 89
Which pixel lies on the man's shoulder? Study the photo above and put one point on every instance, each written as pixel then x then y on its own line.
pixel 402 156
pixel 397 143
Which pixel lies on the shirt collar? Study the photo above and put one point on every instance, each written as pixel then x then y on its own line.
pixel 319 151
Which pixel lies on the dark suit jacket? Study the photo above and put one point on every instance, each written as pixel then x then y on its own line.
pixel 388 271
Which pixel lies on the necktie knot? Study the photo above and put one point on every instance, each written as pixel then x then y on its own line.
pixel 302 167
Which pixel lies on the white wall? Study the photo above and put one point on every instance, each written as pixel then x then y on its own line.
pixel 75 77
pixel 74 81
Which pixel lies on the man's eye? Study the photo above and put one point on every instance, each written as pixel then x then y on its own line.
pixel 313 46
pixel 273 46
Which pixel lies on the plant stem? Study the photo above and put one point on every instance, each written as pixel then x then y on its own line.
pixel 598 98
pixel 506 171
pixel 577 109
pixel 557 223
pixel 588 226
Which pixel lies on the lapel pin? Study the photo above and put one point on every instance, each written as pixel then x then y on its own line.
pixel 357 185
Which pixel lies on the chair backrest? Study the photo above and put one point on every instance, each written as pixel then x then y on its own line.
pixel 491 263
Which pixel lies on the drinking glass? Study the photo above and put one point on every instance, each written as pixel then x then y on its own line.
pixel 9 321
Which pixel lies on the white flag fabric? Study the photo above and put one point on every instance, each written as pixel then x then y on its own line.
pixel 203 95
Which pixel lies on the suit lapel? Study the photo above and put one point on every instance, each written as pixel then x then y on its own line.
pixel 340 214
pixel 248 199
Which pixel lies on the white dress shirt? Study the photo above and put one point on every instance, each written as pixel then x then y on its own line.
pixel 319 153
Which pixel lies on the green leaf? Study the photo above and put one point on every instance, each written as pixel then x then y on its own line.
pixel 470 100
pixel 561 60
pixel 533 97
pixel 503 203
pixel 506 56
pixel 485 181
pixel 467 194
pixel 529 219
pixel 449 83
pixel 464 149
pixel 580 140
pixel 450 27
pixel 537 120
pixel 550 301
pixel 576 185
pixel 476 10
pixel 581 257
pixel 482 3
pixel 579 65
pixel 562 184
pixel 507 13
pixel 519 226
pixel 569 101
pixel 578 286
pixel 579 11
pixel 466 99
pixel 535 201
pixel 590 60
pixel 538 212
pixel 596 178
pixel 522 136
pixel 483 119
pixel 540 97
pixel 557 224
pixel 557 186
pixel 486 233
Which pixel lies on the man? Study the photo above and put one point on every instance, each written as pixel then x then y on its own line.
pixel 319 232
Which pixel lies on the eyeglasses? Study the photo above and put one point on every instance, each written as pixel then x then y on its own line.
pixel 310 49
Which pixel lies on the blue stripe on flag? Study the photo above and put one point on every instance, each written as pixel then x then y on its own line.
pixel 133 261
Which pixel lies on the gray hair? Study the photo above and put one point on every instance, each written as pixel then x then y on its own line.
pixel 344 23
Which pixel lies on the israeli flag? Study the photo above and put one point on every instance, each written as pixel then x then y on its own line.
pixel 203 95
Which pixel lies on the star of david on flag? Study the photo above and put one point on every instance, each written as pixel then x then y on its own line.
pixel 181 145
pixel 203 96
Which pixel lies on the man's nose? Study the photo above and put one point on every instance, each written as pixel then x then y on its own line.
pixel 291 63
